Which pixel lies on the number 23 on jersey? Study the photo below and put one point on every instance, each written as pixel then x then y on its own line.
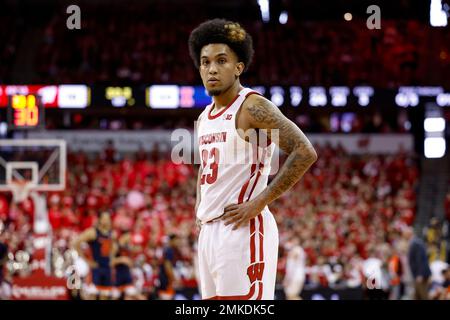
pixel 210 162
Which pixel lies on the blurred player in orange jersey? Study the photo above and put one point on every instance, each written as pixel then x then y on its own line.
pixel 100 240
pixel 395 269
pixel 123 263
pixel 166 274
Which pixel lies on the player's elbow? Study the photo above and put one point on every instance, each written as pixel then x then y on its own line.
pixel 312 154
pixel 308 154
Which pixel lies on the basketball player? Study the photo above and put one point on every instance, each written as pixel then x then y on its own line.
pixel 238 240
pixel 295 270
pixel 166 275
pixel 100 241
pixel 123 263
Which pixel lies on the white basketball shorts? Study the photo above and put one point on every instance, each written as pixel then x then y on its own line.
pixel 239 264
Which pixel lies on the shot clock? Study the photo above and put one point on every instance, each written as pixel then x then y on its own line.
pixel 25 111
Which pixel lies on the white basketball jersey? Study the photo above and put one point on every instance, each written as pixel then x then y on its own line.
pixel 234 170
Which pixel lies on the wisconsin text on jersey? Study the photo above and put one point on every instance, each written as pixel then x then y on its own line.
pixel 213 138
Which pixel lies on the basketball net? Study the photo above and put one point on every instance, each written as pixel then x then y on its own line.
pixel 20 190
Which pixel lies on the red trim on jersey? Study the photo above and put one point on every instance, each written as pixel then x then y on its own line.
pixel 254 185
pixel 243 297
pixel 260 166
pixel 252 241
pixel 261 253
pixel 245 186
pixel 212 117
pixel 261 237
pixel 260 291
pixel 252 92
pixel 261 230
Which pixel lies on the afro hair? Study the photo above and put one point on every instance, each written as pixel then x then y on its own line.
pixel 221 31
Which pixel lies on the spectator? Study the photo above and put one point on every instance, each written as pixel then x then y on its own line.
pixel 4 286
pixel 418 263
pixel 295 270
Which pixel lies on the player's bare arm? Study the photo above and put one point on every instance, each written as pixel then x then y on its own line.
pixel 169 270
pixel 260 113
pixel 263 114
pixel 87 236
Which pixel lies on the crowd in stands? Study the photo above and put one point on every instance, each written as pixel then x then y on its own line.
pixel 11 31
pixel 337 122
pixel 324 53
pixel 348 212
pixel 140 43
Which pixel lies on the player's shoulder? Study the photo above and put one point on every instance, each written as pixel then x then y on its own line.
pixel 87 235
pixel 257 101
pixel 254 97
pixel 90 233
pixel 257 109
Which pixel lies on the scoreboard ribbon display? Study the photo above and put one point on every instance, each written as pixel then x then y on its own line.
pixel 66 96
pixel 173 96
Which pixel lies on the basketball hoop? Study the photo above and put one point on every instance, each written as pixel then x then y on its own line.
pixel 40 161
pixel 20 190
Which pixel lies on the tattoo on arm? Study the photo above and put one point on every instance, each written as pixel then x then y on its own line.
pixel 264 115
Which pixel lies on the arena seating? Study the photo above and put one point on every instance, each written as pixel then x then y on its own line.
pixel 346 209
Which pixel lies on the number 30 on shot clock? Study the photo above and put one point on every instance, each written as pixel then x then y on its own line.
pixel 25 111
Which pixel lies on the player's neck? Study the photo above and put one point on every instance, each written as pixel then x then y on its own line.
pixel 226 97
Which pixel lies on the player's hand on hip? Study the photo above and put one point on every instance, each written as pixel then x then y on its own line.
pixel 240 214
